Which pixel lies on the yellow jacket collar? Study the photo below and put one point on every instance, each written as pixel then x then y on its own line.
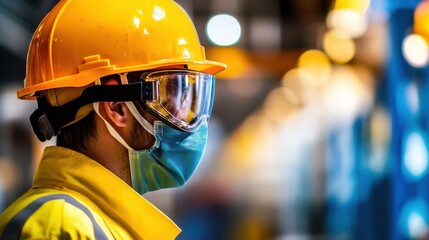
pixel 67 169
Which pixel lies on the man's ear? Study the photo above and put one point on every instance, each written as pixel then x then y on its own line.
pixel 116 112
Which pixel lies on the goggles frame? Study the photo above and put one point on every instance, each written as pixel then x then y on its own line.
pixel 152 101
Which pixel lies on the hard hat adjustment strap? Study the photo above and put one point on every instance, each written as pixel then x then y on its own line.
pixel 47 121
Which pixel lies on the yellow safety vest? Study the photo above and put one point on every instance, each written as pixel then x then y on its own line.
pixel 74 197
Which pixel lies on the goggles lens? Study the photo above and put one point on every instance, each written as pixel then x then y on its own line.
pixel 184 98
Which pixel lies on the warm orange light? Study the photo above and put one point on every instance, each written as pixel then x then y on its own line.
pixel 316 63
pixel 380 127
pixel 235 58
pixel 421 19
pixel 280 104
pixel 299 81
pixel 358 5
pixel 339 46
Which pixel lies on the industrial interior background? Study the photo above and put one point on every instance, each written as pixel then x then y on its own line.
pixel 319 128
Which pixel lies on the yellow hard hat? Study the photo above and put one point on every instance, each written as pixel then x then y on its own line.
pixel 80 41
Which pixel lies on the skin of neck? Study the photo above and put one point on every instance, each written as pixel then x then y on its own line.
pixel 108 151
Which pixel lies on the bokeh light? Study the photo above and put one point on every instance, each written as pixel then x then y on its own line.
pixel 339 46
pixel 346 95
pixel 412 97
pixel 415 154
pixel 299 81
pixel 380 134
pixel 415 50
pixel 413 220
pixel 316 63
pixel 421 19
pixel 8 102
pixel 347 20
pixel 358 5
pixel 223 30
pixel 380 126
pixel 407 97
pixel 280 104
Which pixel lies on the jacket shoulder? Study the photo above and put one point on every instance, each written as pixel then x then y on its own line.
pixel 56 216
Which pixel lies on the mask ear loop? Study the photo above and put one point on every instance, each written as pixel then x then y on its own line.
pixel 143 122
pixel 111 130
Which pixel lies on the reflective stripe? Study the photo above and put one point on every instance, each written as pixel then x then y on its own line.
pixel 14 227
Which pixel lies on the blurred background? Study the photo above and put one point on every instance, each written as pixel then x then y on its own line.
pixel 319 128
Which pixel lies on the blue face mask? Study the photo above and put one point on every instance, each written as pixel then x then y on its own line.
pixel 171 161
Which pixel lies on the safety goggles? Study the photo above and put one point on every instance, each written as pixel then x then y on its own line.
pixel 181 98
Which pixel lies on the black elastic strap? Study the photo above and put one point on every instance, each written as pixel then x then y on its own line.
pixel 47 120
pixel 13 229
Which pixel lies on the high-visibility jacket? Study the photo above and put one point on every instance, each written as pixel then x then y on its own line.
pixel 74 197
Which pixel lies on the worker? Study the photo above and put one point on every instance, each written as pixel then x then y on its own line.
pixel 126 89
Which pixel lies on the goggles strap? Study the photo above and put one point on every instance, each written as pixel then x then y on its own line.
pixel 47 121
pixel 149 94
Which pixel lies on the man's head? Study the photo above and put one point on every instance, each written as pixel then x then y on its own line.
pixel 130 61
pixel 79 42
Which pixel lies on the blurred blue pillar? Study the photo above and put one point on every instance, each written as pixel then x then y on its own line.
pixel 399 75
pixel 341 184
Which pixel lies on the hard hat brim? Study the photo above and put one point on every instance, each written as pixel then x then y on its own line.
pixel 89 76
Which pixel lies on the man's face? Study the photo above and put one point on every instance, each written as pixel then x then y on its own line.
pixel 140 138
